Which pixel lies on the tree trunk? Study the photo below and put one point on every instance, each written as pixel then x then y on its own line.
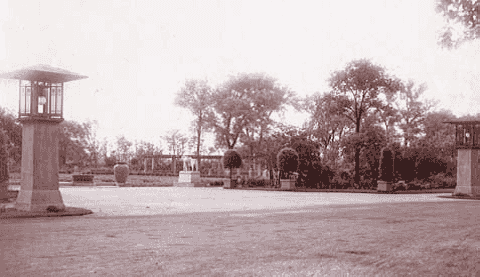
pixel 357 156
pixel 199 132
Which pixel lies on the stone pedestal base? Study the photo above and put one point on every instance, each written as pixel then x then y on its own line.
pixel 287 184
pixel 228 184
pixel 40 182
pixel 188 179
pixel 384 186
pixel 468 172
pixel 39 200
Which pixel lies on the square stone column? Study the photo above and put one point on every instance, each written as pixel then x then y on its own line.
pixel 468 172
pixel 39 186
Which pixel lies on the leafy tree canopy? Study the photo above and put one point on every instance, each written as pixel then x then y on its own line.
pixel 462 21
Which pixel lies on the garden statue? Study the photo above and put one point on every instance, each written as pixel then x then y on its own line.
pixel 189 177
pixel 184 159
pixel 189 164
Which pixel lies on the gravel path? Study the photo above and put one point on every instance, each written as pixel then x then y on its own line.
pixel 112 201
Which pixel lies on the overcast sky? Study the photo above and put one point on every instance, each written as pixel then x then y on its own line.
pixel 137 54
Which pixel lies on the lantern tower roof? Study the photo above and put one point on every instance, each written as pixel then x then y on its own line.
pixel 42 73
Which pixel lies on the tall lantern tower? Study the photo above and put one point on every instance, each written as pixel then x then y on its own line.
pixel 40 112
pixel 467 142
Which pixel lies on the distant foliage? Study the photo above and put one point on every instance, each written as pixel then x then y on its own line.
pixel 4 176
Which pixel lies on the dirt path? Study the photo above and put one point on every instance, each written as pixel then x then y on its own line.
pixel 379 238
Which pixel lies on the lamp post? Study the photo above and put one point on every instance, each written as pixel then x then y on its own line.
pixel 40 112
pixel 467 143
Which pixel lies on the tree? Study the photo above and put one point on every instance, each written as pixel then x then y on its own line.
pixel 4 174
pixel 412 110
pixel 176 141
pixel 369 142
pixel 462 21
pixel 90 139
pixel 13 131
pixel 243 106
pixel 73 146
pixel 389 116
pixel 326 125
pixel 357 89
pixel 435 146
pixel 231 160
pixel 123 149
pixel 143 149
pixel 196 96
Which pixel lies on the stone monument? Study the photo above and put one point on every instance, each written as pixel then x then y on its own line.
pixel 189 176
pixel 41 110
pixel 467 142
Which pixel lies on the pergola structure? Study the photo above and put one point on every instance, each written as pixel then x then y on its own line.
pixel 175 158
pixel 467 142
pixel 41 94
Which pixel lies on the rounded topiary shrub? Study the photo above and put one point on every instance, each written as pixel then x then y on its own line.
pixel 231 159
pixel 3 157
pixel 386 166
pixel 121 171
pixel 287 160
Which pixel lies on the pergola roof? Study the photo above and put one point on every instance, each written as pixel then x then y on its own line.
pixel 43 73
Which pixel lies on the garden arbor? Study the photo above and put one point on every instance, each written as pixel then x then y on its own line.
pixel 467 142
pixel 40 111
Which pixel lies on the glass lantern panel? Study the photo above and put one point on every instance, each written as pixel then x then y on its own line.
pixel 59 100
pixel 468 134
pixel 53 96
pixel 28 99
pixel 460 135
pixel 475 135
pixel 22 100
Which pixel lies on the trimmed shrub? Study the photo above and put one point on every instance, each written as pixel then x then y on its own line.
pixel 386 166
pixel 287 161
pixel 217 184
pixel 257 183
pixel 441 180
pixel 4 176
pixel 231 159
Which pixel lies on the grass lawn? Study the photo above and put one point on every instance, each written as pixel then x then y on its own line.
pixel 383 239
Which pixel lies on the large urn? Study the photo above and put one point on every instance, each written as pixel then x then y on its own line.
pixel 121 171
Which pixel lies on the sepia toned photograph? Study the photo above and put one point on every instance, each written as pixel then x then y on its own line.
pixel 239 138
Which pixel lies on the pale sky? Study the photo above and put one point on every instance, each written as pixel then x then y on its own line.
pixel 137 54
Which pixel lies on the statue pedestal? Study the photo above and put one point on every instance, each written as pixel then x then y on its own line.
pixel 188 179
pixel 468 172
pixel 39 188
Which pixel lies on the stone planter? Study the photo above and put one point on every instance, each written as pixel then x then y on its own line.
pixel 287 184
pixel 228 184
pixel 384 186
pixel 121 171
